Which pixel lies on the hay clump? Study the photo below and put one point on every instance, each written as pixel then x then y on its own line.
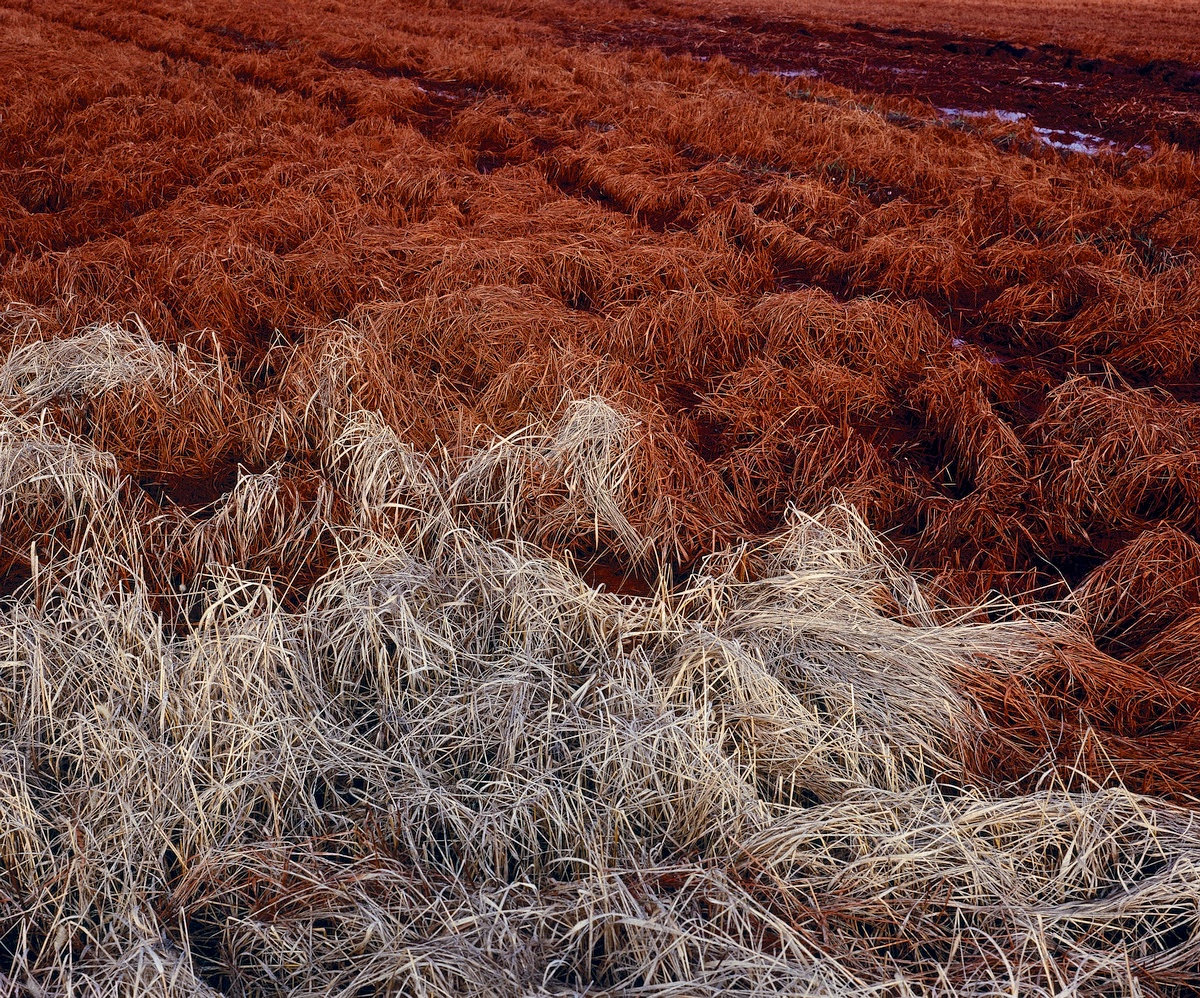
pixel 454 767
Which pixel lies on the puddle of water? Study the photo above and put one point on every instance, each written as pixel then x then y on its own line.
pixel 958 112
pixel 1082 142
pixel 1057 138
pixel 792 74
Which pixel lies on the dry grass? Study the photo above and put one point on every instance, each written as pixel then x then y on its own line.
pixel 443 475
pixel 803 297
pixel 455 768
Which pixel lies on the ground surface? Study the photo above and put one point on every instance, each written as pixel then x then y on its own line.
pixel 422 412
pixel 1140 30
pixel 1126 99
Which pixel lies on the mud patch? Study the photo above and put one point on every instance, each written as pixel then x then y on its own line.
pixel 1074 101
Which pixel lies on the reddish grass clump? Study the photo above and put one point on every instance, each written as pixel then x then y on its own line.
pixel 796 294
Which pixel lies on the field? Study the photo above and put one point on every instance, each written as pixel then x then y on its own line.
pixel 520 499
pixel 1137 30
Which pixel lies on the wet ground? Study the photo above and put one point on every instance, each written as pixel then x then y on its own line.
pixel 1075 102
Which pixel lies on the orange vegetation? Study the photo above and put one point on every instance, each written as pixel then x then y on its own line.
pixel 800 294
pixel 444 449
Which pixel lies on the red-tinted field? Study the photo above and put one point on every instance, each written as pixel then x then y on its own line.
pixel 428 438
pixel 1130 30
pixel 802 293
pixel 1075 97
